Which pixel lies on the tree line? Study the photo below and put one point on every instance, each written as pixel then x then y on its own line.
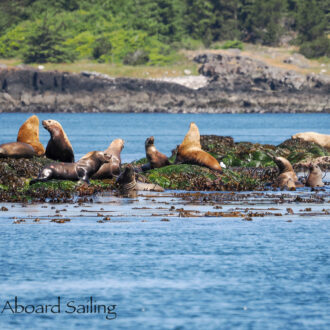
pixel 150 31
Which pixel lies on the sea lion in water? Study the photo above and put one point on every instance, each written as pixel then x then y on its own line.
pixel 81 170
pixel 58 147
pixel 190 151
pixel 321 139
pixel 108 170
pixel 29 133
pixel 17 150
pixel 287 176
pixel 155 158
pixel 315 176
pixel 127 182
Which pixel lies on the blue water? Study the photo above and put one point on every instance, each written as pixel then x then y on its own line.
pixel 185 273
pixel 88 131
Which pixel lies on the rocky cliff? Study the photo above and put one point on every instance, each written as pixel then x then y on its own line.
pixel 235 84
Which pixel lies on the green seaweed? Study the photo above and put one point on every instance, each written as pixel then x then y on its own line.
pixel 65 185
pixel 3 187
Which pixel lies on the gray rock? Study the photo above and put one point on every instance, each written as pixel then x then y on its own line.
pixel 298 60
pixel 233 84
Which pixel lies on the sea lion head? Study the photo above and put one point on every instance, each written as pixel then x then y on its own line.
pixel 102 157
pixel 29 133
pixel 31 127
pixel 296 136
pixel 149 141
pixel 57 133
pixel 313 167
pixel 126 177
pixel 116 146
pixel 315 176
pixel 193 129
pixel 192 138
pixel 283 164
pixel 52 125
pixel 97 155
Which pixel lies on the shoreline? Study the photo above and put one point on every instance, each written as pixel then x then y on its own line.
pixel 226 84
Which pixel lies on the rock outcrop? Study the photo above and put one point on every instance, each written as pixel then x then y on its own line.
pixel 235 84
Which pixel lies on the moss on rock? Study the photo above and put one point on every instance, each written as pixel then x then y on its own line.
pixel 250 167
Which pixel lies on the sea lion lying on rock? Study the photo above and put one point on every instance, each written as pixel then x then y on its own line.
pixel 190 151
pixel 81 170
pixel 127 182
pixel 111 169
pixel 29 133
pixel 17 150
pixel 58 147
pixel 321 139
pixel 315 176
pixel 155 158
pixel 287 177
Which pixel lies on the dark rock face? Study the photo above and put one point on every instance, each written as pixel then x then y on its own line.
pixel 236 84
pixel 239 73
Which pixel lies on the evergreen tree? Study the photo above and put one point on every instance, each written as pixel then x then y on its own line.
pixel 311 20
pixel 45 43
pixel 312 25
pixel 261 20
pixel 226 23
pixel 199 19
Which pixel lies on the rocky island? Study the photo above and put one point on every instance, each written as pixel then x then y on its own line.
pixel 233 84
pixel 249 167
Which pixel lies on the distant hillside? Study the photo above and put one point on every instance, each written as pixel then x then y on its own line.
pixel 151 31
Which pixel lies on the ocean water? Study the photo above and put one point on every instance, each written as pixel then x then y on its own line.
pixel 88 131
pixel 160 270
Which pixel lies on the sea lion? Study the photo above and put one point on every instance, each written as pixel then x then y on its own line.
pixel 29 133
pixel 155 158
pixel 17 150
pixel 108 170
pixel 287 176
pixel 321 139
pixel 58 147
pixel 190 151
pixel 127 182
pixel 315 176
pixel 81 170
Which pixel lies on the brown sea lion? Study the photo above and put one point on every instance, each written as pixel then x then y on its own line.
pixel 321 139
pixel 155 158
pixel 127 182
pixel 17 150
pixel 29 133
pixel 315 176
pixel 58 147
pixel 287 176
pixel 81 170
pixel 190 151
pixel 108 170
